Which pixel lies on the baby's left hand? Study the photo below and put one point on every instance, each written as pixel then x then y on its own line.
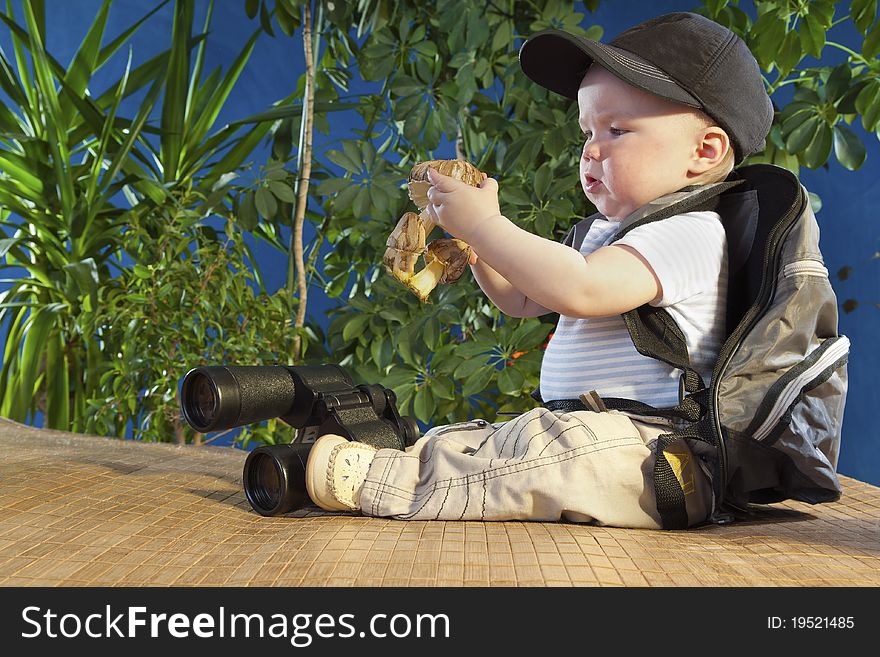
pixel 459 208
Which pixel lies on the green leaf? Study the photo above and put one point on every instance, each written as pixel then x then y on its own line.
pixel 424 404
pixel 142 272
pixel 361 203
pixel 85 61
pixel 394 314
pixel 478 382
pixel 345 198
pixel 868 104
pixel 510 381
pixel 19 170
pixel 543 177
pixel 382 352
pixel 248 216
pixel 812 36
pixel 469 367
pixel 871 47
pixel 803 135
pixel 502 38
pixel 267 206
pixel 848 148
pixel 789 53
pixel 431 333
pixel 863 13
pixel 331 186
pixel 214 103
pixel 55 124
pixel 37 331
pixel 847 104
pixel 443 388
pixel 345 160
pixel 174 109
pixel 825 10
pixel 354 327
pixel 530 334
pixel 766 35
pixel 404 345
pixel 404 85
pixel 838 82
pixel 8 243
pixel 286 21
pixel 266 20
pixel 819 150
pixel 474 347
pixel 516 195
pixel 282 191
pixel 806 95
pixel 85 275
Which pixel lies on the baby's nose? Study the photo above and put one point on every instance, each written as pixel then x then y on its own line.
pixel 591 151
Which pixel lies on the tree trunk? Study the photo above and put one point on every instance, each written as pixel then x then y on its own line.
pixel 302 196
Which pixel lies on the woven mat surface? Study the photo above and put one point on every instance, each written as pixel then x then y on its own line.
pixel 80 510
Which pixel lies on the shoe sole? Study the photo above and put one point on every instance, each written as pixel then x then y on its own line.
pixel 317 467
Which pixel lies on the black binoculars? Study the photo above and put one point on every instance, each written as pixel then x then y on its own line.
pixel 314 399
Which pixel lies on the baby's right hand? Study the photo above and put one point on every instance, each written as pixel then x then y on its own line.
pixel 459 208
pixel 472 260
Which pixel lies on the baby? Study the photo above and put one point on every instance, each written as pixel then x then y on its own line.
pixel 668 104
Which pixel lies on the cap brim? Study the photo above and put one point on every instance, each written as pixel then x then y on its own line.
pixel 558 61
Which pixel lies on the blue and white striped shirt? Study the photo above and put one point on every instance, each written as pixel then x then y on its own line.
pixel 688 253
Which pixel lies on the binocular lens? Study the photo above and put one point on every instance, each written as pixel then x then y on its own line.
pixel 265 482
pixel 203 400
pixel 275 478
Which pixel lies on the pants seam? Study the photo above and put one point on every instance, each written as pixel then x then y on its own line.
pixel 522 466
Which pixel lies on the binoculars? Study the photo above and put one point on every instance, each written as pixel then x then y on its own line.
pixel 314 399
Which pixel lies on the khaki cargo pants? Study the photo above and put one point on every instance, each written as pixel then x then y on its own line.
pixel 542 465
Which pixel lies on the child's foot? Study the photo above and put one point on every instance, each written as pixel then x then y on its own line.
pixel 335 472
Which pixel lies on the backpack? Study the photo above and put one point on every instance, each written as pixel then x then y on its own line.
pixel 769 422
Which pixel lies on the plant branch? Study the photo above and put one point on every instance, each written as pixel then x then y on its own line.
pixel 852 53
pixel 303 175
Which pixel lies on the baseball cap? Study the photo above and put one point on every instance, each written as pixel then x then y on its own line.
pixel 682 56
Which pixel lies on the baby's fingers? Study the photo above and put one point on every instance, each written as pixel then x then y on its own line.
pixel 441 182
pixel 489 183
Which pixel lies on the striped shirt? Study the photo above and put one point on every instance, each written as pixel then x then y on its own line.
pixel 688 253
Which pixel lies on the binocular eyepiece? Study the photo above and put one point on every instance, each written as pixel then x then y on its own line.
pixel 314 399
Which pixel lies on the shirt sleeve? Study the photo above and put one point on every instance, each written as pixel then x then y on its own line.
pixel 686 252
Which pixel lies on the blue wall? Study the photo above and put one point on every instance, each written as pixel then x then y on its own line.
pixel 850 231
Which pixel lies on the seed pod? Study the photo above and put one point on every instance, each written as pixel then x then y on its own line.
pixel 446 259
pixel 405 244
pixel 459 169
pixel 453 253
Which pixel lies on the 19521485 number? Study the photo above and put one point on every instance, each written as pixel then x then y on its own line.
pixel 810 622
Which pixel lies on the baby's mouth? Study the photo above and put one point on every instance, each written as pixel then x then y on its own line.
pixel 591 184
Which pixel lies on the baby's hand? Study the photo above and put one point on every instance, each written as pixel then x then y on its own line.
pixel 459 208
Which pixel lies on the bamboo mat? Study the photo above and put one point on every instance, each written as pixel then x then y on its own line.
pixel 79 510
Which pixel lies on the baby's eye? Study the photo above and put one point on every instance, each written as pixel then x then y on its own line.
pixel 588 135
pixel 617 131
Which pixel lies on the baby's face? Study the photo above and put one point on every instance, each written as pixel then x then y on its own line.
pixel 637 146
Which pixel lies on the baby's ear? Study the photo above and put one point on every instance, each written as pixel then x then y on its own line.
pixel 712 147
